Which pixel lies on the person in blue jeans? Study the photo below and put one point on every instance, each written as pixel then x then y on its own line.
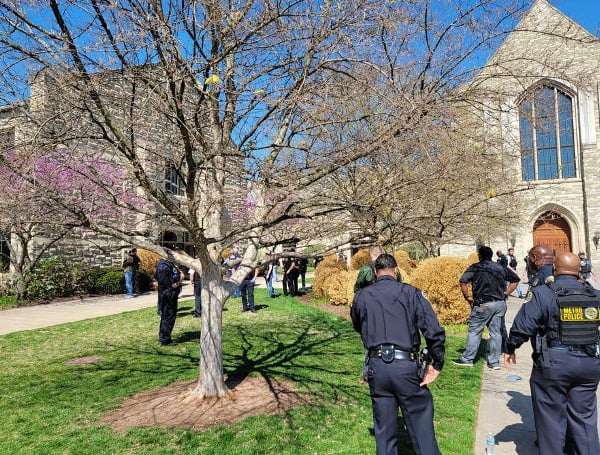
pixel 233 264
pixel 131 265
pixel 270 275
pixel 488 306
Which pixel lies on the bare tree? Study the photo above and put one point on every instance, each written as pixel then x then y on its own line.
pixel 270 121
pixel 219 98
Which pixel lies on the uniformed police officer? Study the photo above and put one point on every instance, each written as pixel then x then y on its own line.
pixel 540 259
pixel 562 317
pixel 390 317
pixel 169 279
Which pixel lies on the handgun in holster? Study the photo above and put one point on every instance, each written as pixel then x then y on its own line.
pixel 423 360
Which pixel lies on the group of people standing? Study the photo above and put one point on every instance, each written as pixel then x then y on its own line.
pixel 560 316
pixel 293 269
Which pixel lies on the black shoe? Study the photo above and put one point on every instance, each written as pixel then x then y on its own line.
pixel 196 315
pixel 169 343
pixel 253 311
pixel 461 362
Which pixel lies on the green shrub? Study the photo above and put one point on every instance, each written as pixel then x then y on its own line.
pixel 86 279
pixel 144 280
pixel 55 277
pixel 8 301
pixel 52 278
pixel 111 282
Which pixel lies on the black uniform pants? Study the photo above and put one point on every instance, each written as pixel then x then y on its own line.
pixel 292 282
pixel 168 312
pixel 563 392
pixel 395 385
pixel 197 297
pixel 247 292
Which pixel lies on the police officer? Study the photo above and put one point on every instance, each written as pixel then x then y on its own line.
pixel 169 279
pixel 562 317
pixel 540 260
pixel 390 318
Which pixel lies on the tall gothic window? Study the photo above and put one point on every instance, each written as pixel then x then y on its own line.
pixel 547 138
pixel 173 182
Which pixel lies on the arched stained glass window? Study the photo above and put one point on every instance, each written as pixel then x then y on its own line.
pixel 547 137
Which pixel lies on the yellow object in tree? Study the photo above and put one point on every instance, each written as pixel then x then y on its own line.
pixel 212 79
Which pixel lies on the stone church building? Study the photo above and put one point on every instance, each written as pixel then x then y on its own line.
pixel 541 92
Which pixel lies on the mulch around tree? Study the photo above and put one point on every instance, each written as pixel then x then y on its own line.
pixel 175 406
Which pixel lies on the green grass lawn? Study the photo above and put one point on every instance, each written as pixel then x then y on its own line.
pixel 49 407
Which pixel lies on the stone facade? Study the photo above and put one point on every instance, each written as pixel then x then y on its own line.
pixel 61 113
pixel 547 49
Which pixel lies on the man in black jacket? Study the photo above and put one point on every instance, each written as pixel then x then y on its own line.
pixel 562 318
pixel 390 318
pixel 488 306
pixel 169 279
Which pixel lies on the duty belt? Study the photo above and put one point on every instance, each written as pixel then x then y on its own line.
pixel 387 351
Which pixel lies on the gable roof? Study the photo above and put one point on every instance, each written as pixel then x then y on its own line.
pixel 545 43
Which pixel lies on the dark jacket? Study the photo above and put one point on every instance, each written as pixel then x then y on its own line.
pixel 166 274
pixel 389 312
pixel 538 315
pixel 488 279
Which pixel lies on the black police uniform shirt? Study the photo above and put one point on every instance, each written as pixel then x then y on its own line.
pixel 539 314
pixel 165 274
pixel 541 275
pixel 388 312
pixel 488 279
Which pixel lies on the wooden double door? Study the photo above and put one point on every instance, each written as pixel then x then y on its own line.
pixel 552 230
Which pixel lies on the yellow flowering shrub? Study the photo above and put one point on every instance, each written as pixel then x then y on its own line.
pixel 359 259
pixel 337 288
pixel 438 278
pixel 473 258
pixel 325 271
pixel 405 263
pixel 148 261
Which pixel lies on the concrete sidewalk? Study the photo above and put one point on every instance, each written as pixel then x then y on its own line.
pixel 38 316
pixel 505 403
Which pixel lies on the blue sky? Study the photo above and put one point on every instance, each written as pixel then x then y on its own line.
pixel 584 12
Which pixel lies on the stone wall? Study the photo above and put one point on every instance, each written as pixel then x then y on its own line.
pixel 547 47
pixel 62 113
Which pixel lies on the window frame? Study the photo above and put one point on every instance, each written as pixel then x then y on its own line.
pixel 174 183
pixel 553 155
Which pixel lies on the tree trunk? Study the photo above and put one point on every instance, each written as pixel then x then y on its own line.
pixel 211 382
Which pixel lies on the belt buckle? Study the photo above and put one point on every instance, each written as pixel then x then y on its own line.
pixel 387 353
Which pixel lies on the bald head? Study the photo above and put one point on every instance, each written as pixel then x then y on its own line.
pixel 566 264
pixel 540 255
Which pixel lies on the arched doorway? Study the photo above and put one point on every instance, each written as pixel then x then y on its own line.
pixel 552 230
